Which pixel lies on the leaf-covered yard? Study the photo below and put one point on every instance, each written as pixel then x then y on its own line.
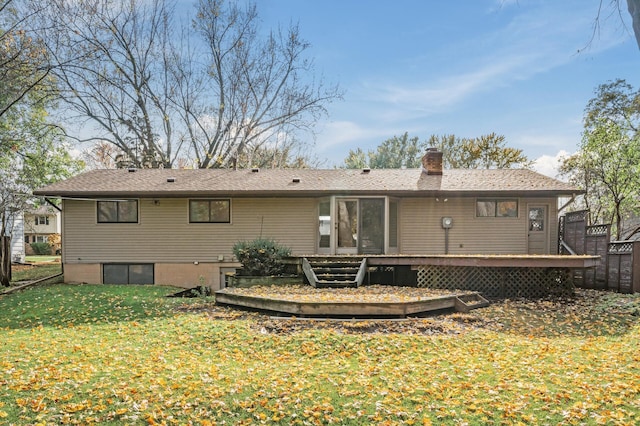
pixel 128 355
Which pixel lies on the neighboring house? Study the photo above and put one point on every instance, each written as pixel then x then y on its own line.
pixel 42 225
pixel 15 230
pixel 178 227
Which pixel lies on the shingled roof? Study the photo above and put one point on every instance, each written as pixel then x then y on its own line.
pixel 304 182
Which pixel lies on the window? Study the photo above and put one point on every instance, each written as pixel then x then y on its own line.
pixel 115 273
pixel 324 224
pixel 42 220
pixel 118 211
pixel 40 239
pixel 209 211
pixel 393 224
pixel 496 208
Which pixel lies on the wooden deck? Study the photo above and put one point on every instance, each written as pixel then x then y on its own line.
pixel 462 280
pixel 481 260
pixel 499 276
pixel 459 301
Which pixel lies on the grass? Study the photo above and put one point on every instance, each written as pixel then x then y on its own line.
pixel 39 259
pixel 34 272
pixel 128 355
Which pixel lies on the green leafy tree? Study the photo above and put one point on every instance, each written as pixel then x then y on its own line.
pixel 357 159
pixel 486 152
pixel 394 153
pixel 615 101
pixel 607 166
pixel 31 152
pixel 35 154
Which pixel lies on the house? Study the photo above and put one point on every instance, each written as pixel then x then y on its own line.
pixel 178 227
pixel 15 231
pixel 42 225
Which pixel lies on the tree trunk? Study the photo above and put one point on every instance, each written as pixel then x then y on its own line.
pixel 618 221
pixel 634 11
pixel 5 261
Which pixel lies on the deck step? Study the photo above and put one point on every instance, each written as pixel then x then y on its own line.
pixel 336 276
pixel 334 272
pixel 335 284
pixel 467 302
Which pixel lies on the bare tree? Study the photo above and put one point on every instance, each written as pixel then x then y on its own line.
pixel 155 91
pixel 616 7
pixel 23 62
pixel 256 87
pixel 102 155
pixel 634 11
pixel 110 58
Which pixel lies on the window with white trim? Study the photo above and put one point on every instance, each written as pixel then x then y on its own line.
pixel 42 220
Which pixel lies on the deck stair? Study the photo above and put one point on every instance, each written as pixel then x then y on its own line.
pixel 332 271
pixel 467 302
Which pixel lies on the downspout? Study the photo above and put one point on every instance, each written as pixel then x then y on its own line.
pixel 573 198
pixel 60 210
pixel 52 204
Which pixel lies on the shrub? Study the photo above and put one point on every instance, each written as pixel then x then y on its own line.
pixel 261 257
pixel 41 249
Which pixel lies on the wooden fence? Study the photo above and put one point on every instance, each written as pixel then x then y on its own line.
pixel 573 232
pixel 623 265
pixel 619 268
pixel 596 242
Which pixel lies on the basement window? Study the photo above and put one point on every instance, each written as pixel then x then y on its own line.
pixel 127 273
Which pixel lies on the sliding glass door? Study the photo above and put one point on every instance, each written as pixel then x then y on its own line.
pixel 360 225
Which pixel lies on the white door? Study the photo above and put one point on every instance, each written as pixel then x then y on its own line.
pixel 538 229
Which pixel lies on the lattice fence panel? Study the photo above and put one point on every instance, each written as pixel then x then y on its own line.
pixel 498 282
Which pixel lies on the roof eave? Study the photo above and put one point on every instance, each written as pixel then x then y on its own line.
pixel 307 193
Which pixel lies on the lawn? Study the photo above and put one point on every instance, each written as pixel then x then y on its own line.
pixel 128 355
pixel 39 259
pixel 21 273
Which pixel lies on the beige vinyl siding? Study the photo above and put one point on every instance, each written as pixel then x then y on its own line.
pixel 421 230
pixel 164 233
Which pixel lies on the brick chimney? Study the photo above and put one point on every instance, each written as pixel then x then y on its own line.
pixel 432 162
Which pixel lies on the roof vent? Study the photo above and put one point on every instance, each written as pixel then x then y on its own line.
pixel 296 180
pixel 171 179
pixel 131 169
pixel 255 170
pixel 366 170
